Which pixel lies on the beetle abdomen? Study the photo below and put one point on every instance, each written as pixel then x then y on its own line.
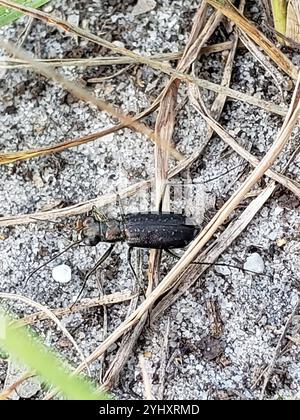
pixel 158 230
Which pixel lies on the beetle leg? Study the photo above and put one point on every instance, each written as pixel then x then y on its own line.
pixel 95 268
pixel 129 257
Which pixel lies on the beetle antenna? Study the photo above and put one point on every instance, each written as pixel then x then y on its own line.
pixel 224 173
pixel 51 259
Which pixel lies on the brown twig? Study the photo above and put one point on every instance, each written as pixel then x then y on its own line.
pixel 84 95
pixel 6 393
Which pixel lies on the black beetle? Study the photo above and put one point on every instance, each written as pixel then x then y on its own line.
pixel 159 230
pixel 140 230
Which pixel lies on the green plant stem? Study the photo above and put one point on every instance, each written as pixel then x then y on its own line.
pixel 279 9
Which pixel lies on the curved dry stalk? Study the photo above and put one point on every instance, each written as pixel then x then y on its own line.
pixel 51 315
pixel 165 68
pixel 27 154
pixel 146 380
pixel 11 157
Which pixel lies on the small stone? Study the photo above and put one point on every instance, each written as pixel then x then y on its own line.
pixel 281 242
pixel 273 235
pixel 37 180
pixel 278 210
pixel 81 335
pixel 62 273
pixel 48 8
pixel 119 44
pixel 143 6
pixel 73 19
pixel 222 269
pixel 255 263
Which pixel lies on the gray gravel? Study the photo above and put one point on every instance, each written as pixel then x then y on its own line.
pixel 252 309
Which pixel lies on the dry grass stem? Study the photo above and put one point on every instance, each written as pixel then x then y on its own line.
pixel 83 305
pixel 13 63
pixel 6 393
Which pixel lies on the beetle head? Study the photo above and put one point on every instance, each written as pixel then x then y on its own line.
pixel 92 232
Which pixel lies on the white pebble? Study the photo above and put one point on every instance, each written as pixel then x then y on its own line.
pixel 62 273
pixel 143 6
pixel 255 263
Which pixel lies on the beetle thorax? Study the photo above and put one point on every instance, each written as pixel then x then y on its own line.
pixel 112 231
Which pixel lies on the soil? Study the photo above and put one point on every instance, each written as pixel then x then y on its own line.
pixel 249 310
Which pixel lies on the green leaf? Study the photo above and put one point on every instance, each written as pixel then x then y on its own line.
pixel 26 348
pixel 8 15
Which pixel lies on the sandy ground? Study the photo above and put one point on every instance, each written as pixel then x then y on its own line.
pixel 251 310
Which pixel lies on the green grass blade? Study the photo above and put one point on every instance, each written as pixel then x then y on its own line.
pixel 8 15
pixel 25 347
pixel 279 9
